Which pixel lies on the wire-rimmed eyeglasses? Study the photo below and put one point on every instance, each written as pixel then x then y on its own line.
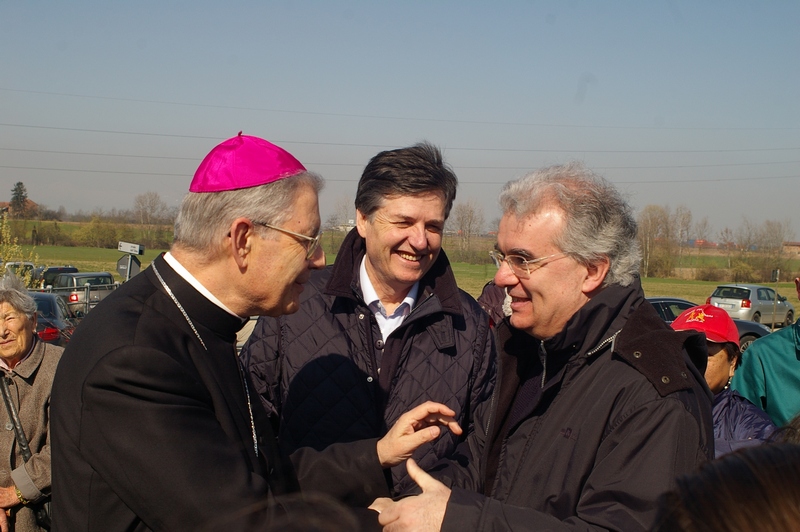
pixel 313 241
pixel 520 266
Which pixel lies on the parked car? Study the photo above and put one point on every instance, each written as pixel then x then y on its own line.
pixel 49 274
pixel 84 290
pixel 670 307
pixel 753 302
pixel 55 322
pixel 21 268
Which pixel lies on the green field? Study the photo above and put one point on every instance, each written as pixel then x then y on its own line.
pixel 470 277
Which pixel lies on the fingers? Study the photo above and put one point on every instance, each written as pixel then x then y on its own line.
pixel 423 479
pixel 380 504
pixel 430 413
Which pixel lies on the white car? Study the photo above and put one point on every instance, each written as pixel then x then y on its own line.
pixel 753 302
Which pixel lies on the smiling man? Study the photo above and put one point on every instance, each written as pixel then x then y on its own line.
pixel 598 404
pixel 385 327
pixel 155 425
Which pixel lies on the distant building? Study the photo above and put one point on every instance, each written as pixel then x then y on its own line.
pixel 31 207
pixel 791 248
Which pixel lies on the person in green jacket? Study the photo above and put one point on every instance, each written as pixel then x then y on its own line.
pixel 770 373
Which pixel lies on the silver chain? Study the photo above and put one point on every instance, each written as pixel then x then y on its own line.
pixel 197 334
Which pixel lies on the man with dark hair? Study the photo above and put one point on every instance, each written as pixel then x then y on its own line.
pixel 154 423
pixel 598 406
pixel 382 329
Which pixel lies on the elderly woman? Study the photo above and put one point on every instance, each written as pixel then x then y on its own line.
pixel 28 368
pixel 737 422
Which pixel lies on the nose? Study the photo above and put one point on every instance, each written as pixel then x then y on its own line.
pixel 317 260
pixel 505 276
pixel 418 237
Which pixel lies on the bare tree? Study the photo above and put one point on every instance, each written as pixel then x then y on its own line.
pixel 746 236
pixel 683 228
pixel 702 229
pixel 654 228
pixel 468 220
pixel 772 235
pixel 727 241
pixel 151 212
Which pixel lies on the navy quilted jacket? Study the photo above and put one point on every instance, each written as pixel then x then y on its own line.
pixel 316 373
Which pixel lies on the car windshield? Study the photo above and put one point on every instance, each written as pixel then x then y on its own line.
pixel 731 292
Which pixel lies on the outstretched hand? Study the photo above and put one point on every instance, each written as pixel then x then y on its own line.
pixel 424 512
pixel 417 426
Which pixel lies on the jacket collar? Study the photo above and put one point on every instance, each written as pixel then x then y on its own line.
pixel 200 309
pixel 647 343
pixel 439 281
pixel 27 367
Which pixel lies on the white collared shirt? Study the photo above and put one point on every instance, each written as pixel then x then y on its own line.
pixel 391 322
pixel 189 278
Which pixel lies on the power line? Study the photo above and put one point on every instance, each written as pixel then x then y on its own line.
pixel 354 180
pixel 384 146
pixel 403 118
pixel 358 165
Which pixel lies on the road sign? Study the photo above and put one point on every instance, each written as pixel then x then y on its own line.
pixel 128 266
pixel 127 247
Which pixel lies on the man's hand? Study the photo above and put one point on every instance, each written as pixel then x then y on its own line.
pixel 424 512
pixel 417 426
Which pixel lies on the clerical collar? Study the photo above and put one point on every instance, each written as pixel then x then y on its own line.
pixel 189 278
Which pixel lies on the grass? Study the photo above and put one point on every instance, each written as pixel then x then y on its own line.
pixel 87 259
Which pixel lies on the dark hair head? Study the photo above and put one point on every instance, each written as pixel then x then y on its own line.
pixel 733 352
pixel 756 488
pixel 405 172
pixel 789 433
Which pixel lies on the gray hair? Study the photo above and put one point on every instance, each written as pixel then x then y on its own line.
pixel 598 221
pixel 13 292
pixel 204 218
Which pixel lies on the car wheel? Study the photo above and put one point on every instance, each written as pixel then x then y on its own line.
pixel 789 319
pixel 746 340
pixel 757 317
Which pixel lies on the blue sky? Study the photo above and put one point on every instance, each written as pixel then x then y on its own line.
pixel 677 102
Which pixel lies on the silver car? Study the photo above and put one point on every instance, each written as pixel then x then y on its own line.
pixel 753 302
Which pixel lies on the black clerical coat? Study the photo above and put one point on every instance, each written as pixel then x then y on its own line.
pixel 152 431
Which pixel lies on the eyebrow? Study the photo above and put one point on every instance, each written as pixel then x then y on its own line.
pixel 524 253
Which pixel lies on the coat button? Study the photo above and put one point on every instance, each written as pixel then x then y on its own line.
pixel 361 316
pixel 665 380
pixel 683 374
pixel 379 344
pixel 637 354
pixel 369 379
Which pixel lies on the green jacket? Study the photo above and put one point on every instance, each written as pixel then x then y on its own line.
pixel 770 374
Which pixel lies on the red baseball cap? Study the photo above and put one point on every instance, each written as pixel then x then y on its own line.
pixel 243 162
pixel 715 322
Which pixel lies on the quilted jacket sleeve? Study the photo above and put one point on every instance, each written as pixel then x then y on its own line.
pixel 262 358
pixel 486 372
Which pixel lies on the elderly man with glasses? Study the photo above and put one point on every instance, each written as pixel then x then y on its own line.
pixel 384 328
pixel 599 404
pixel 155 424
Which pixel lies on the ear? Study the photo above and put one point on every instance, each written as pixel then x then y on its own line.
pixel 240 238
pixel 732 368
pixel 595 275
pixel 361 223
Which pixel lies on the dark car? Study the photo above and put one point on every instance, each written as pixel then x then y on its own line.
pixel 49 274
pixel 670 307
pixel 55 322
